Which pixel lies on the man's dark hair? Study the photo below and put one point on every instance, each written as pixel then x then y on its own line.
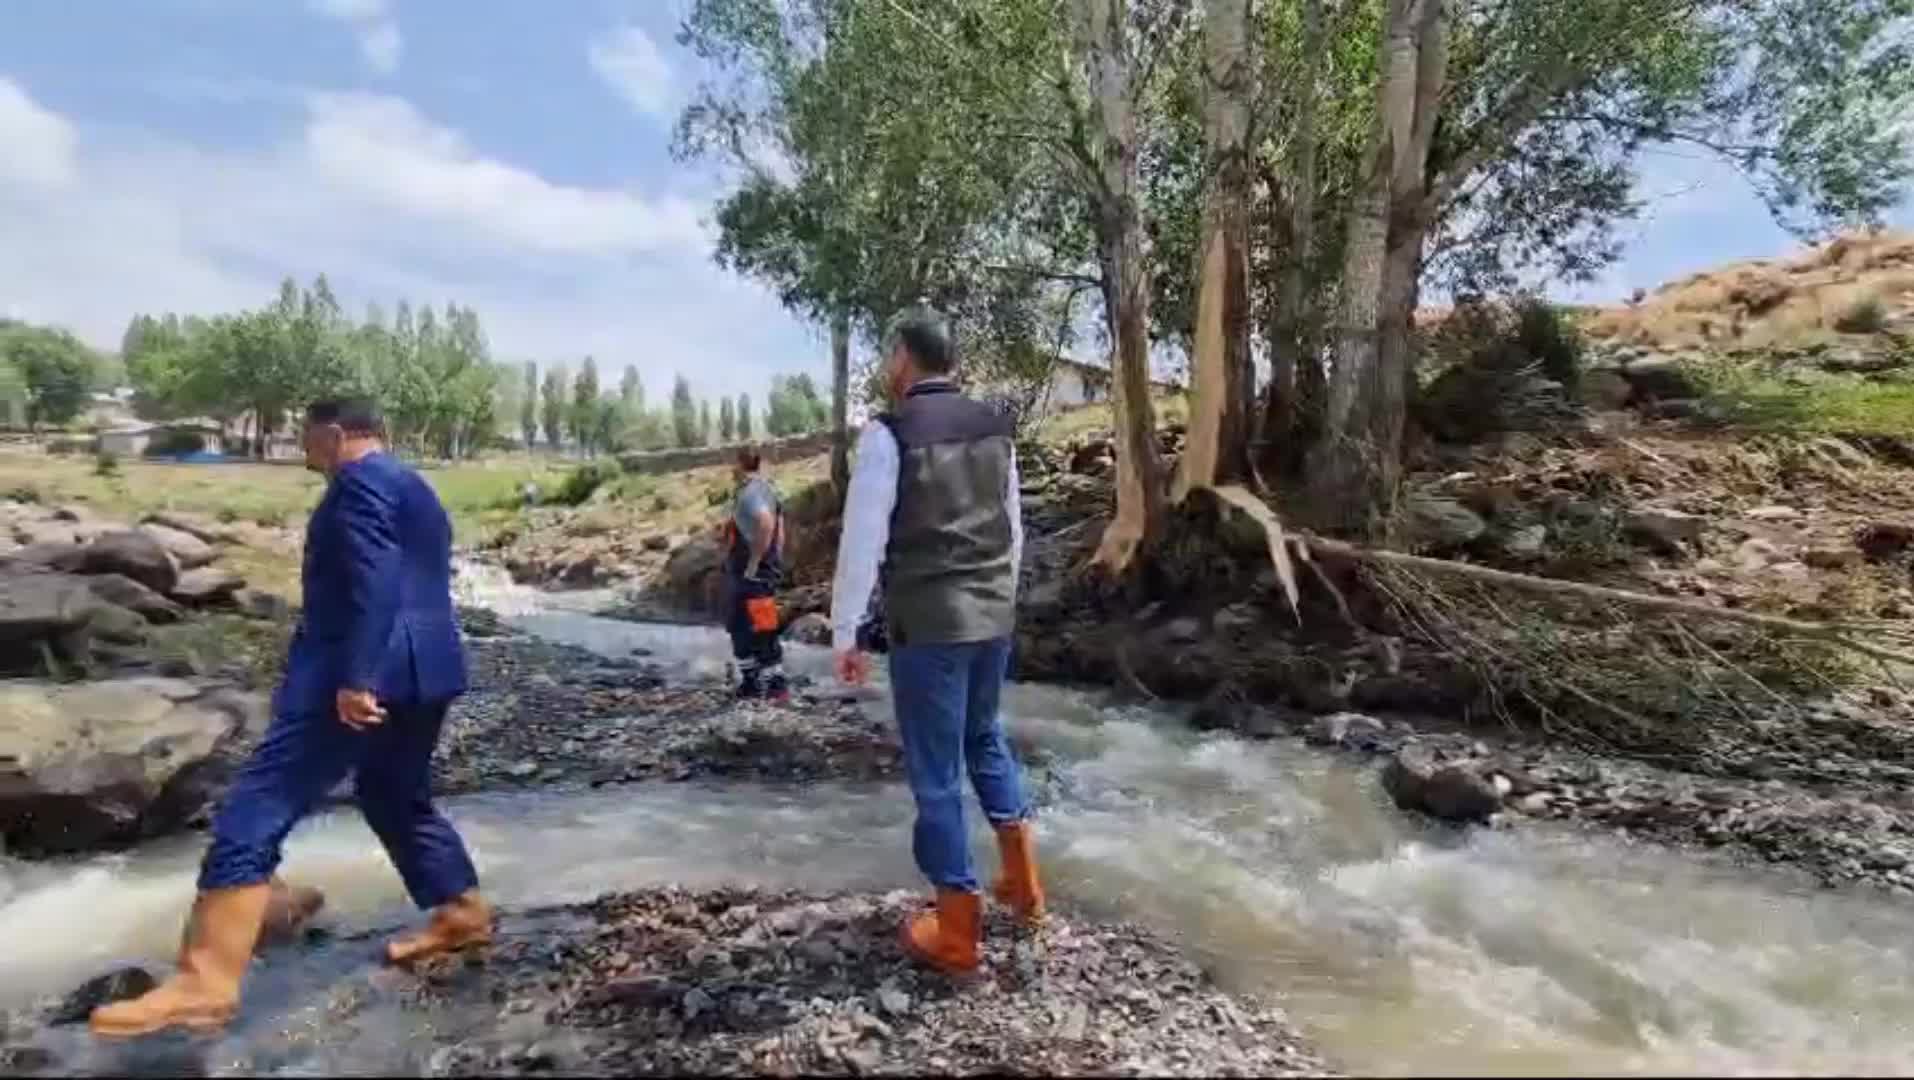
pixel 926 336
pixel 354 416
pixel 750 458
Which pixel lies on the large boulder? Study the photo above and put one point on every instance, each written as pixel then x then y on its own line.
pixel 106 764
pixel 691 574
pixel 1661 378
pixel 189 551
pixel 1452 791
pixel 1667 532
pixel 47 555
pixel 207 586
pixel 134 554
pixel 810 629
pixel 200 528
pixel 42 611
pixel 44 532
pixel 1440 525
pixel 122 591
pixel 1604 388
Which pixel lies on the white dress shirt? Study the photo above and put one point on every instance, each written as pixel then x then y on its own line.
pixel 866 531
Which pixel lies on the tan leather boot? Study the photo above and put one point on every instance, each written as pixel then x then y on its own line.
pixel 204 994
pixel 288 911
pixel 462 923
pixel 1018 887
pixel 946 938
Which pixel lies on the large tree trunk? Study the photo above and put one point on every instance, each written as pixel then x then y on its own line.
pixel 840 402
pixel 1105 54
pixel 1218 444
pixel 1346 473
pixel 1402 262
pixel 1294 366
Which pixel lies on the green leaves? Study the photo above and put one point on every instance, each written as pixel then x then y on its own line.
pixel 795 407
pixel 684 413
pixel 50 372
pixel 433 375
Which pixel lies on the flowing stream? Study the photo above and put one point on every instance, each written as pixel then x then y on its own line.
pixel 1398 948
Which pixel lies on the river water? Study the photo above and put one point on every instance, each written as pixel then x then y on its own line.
pixel 1399 948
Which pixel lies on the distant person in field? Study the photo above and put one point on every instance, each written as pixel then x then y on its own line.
pixel 371 671
pixel 933 502
pixel 753 570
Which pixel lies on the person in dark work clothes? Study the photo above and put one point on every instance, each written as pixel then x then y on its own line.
pixel 370 673
pixel 753 568
pixel 934 503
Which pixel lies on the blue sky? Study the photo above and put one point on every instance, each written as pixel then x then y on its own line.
pixel 510 155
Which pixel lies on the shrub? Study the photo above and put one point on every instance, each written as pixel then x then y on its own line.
pixel 1547 337
pixel 1495 361
pixel 106 463
pixel 583 482
pixel 1865 316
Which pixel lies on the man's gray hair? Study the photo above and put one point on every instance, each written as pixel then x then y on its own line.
pixel 925 333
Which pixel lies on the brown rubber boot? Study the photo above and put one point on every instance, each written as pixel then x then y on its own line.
pixel 288 911
pixel 1018 888
pixel 204 995
pixel 946 939
pixel 459 924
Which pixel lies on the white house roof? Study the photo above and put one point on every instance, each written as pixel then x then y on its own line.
pixel 1103 371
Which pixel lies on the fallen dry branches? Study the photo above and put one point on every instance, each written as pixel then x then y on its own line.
pixel 1835 633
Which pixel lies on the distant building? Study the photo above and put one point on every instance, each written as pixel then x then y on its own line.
pixel 107 411
pixel 1074 384
pixel 172 438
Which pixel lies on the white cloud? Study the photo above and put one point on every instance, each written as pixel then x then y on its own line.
pixel 389 205
pixel 40 145
pixel 381 45
pixel 350 10
pixel 632 65
pixel 383 149
pixel 379 39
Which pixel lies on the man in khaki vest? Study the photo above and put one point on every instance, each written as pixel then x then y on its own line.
pixel 933 501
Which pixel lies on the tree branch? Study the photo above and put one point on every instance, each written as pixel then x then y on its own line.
pixel 1086 280
pixel 1659 133
pixel 1837 634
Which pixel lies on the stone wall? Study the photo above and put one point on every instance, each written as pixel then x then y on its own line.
pixel 668 461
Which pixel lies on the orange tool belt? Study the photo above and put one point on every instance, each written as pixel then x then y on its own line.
pixel 762 611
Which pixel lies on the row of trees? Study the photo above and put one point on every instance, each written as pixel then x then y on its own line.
pixel 46 374
pixel 1257 180
pixel 432 370
pixel 563 407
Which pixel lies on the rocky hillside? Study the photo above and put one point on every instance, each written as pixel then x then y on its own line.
pixel 1857 286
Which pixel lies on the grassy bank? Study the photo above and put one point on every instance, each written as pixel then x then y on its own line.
pixel 1815 404
pixel 479 495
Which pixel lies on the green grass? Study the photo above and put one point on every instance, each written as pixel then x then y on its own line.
pixel 1812 403
pixel 1066 425
pixel 479 495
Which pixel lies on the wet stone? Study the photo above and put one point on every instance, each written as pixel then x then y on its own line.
pixel 121 985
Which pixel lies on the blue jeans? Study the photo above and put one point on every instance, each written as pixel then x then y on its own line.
pixel 946 698
pixel 301 759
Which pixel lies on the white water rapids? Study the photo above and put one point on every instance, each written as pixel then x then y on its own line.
pixel 1398 948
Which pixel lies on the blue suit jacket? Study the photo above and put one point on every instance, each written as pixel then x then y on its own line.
pixel 378 595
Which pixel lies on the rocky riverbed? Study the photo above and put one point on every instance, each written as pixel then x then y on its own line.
pixel 1833 802
pixel 541 713
pixel 736 982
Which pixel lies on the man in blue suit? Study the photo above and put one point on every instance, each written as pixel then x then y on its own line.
pixel 372 669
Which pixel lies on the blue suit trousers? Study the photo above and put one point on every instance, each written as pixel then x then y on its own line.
pixel 303 757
